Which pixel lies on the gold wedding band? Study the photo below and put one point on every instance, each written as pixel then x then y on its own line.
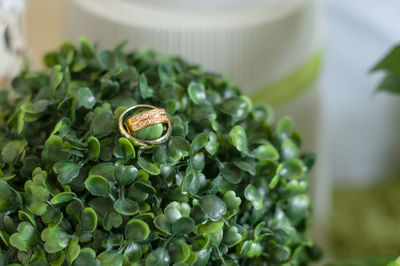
pixel 142 120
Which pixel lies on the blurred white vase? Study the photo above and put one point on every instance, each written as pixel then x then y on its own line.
pixel 12 38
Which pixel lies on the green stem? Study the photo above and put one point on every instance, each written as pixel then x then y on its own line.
pixel 220 256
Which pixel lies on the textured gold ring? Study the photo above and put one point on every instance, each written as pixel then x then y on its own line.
pixel 142 120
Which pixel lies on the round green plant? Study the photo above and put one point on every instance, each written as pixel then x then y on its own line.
pixel 227 188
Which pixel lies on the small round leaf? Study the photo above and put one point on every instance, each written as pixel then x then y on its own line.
pixel 63 197
pixel 213 206
pixel 183 226
pixel 88 220
pixel 94 148
pixel 252 194
pixel 126 206
pixel 98 185
pixel 239 139
pixel 137 230
pixel 148 166
pixel 159 257
pixel 86 98
pixel 196 93
pixel 198 142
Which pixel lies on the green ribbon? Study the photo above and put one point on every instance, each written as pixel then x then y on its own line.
pixel 291 86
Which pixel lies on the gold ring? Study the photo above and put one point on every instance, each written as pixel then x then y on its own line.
pixel 142 120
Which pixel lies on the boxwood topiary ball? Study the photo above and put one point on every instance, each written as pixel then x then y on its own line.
pixel 226 188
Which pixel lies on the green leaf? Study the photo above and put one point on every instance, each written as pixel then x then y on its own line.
pixel 295 187
pixel 109 88
pixel 237 107
pixel 248 165
pixel 94 148
pixel 289 150
pixel 56 77
pixel 11 152
pixel 232 237
pixel 133 252
pixel 148 166
pixel 203 111
pixel 127 147
pixel 9 198
pixel 149 133
pixel 86 47
pixel 87 256
pixel 52 151
pixel 178 148
pixel 203 257
pixel 63 197
pixel 67 171
pixel 390 63
pixel 110 258
pixel 255 250
pixel 266 151
pixel 86 98
pixel 161 223
pixel 36 197
pixel 183 226
pixel 137 230
pixel 73 250
pixel 159 257
pixel 145 187
pixel 231 174
pixel 211 227
pixel 125 175
pixel 56 259
pixel 196 93
pixel 284 128
pixel 102 125
pixel 126 207
pixel 232 202
pixel 275 180
pixel 293 169
pixel 98 186
pixel 179 251
pixel 212 144
pixel 197 161
pixel 55 239
pixel 145 90
pixel 26 237
pixel 106 170
pixel 198 142
pixel 107 59
pixel 200 242
pixel 191 183
pixel 213 206
pixel 391 83
pixel 239 139
pixel 252 195
pixel 297 206
pixel 35 107
pixel 88 221
pixel 27 216
pixel 112 220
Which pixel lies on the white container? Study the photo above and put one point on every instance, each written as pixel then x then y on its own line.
pixel 271 48
pixel 12 38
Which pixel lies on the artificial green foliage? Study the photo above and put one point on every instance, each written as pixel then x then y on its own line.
pixel 390 65
pixel 226 188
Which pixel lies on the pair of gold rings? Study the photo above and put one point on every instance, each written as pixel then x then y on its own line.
pixel 151 116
